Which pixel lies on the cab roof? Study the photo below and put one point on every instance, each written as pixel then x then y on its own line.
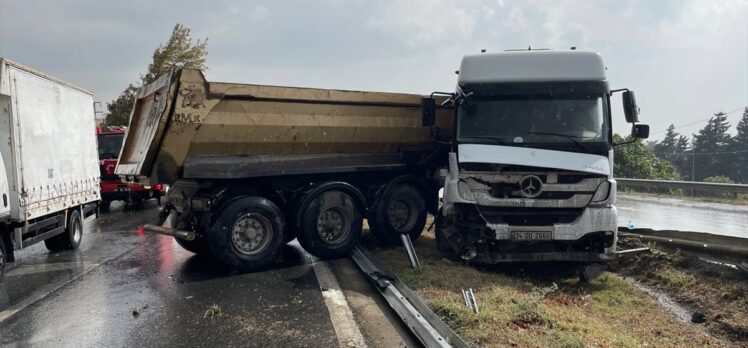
pixel 531 66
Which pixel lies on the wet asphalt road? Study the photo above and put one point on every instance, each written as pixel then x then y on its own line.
pixel 123 288
pixel 662 213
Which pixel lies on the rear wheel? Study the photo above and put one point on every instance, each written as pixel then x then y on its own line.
pixel 401 210
pixel 71 238
pixel 3 252
pixel 248 234
pixel 330 225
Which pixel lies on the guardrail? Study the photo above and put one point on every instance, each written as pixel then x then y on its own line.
pixel 686 185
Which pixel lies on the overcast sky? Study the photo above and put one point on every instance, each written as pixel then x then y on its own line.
pixel 686 59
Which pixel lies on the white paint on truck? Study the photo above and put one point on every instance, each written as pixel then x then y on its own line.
pixel 582 162
pixel 532 66
pixel 50 158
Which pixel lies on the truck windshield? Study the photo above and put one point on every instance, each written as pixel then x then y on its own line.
pixel 109 145
pixel 580 122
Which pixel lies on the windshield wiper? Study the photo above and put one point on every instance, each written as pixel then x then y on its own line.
pixel 573 138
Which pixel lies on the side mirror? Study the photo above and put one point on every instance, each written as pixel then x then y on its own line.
pixel 630 109
pixel 640 131
pixel 428 107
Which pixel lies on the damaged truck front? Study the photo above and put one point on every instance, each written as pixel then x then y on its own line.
pixel 530 175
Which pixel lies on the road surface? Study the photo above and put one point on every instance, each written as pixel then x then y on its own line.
pixel 660 213
pixel 128 289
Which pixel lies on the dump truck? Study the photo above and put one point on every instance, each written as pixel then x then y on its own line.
pixel 530 171
pixel 522 150
pixel 251 167
pixel 49 175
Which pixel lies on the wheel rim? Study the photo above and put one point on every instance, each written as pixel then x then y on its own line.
pixel 401 215
pixel 77 231
pixel 333 225
pixel 251 233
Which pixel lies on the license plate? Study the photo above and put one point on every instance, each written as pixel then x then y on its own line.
pixel 531 235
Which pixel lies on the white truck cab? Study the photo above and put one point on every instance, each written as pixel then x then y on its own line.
pixel 530 174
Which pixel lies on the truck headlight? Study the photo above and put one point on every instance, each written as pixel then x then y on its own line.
pixel 602 193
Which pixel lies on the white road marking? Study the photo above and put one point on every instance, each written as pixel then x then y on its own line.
pixel 341 315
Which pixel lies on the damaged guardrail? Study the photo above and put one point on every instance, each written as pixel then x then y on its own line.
pixel 421 320
pixel 686 185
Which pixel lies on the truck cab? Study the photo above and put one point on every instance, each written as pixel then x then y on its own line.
pixel 530 174
pixel 109 141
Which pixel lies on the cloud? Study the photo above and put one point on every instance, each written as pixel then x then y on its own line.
pixel 686 58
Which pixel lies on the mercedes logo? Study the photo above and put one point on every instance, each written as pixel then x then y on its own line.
pixel 530 186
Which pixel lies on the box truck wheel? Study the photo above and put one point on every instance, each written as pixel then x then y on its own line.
pixel 104 205
pixel 330 225
pixel 401 210
pixel 71 238
pixel 247 234
pixel 2 258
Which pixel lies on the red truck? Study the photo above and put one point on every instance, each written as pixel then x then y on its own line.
pixel 112 188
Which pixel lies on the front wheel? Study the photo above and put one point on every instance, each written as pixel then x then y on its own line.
pixel 401 210
pixel 330 225
pixel 248 234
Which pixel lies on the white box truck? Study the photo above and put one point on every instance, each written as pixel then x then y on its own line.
pixel 49 171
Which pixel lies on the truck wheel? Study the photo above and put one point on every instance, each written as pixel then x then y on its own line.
pixel 441 240
pixel 198 246
pixel 104 205
pixel 402 210
pixel 248 234
pixel 3 252
pixel 330 225
pixel 71 238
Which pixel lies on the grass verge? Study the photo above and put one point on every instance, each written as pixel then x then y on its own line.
pixel 543 307
pixel 718 292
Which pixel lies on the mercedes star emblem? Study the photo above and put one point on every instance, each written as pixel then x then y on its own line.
pixel 530 186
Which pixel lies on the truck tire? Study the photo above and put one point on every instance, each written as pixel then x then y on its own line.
pixel 401 210
pixel 104 205
pixel 71 238
pixel 3 256
pixel 445 249
pixel 198 246
pixel 330 225
pixel 247 234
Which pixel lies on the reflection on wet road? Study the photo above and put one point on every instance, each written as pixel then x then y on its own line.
pixel 130 289
pixel 675 214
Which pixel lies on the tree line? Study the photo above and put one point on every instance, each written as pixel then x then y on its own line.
pixel 711 154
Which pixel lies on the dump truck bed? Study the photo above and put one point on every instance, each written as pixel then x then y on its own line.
pixel 185 127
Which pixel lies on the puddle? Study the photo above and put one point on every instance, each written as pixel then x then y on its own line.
pixel 681 313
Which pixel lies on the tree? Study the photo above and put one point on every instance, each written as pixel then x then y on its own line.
pixel 709 145
pixel 739 149
pixel 673 149
pixel 636 161
pixel 118 110
pixel 178 52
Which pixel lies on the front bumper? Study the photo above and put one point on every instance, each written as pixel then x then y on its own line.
pixel 592 219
